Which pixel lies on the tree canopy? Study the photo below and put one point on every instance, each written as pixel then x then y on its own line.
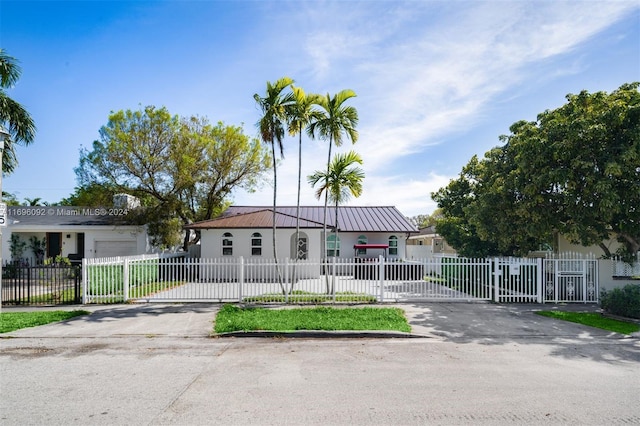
pixel 182 169
pixel 575 171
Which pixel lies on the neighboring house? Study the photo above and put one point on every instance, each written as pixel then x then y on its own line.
pixel 362 232
pixel 612 273
pixel 427 243
pixel 73 232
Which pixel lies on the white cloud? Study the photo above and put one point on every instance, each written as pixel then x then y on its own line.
pixel 418 83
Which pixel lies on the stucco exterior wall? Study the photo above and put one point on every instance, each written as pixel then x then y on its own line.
pixel 69 239
pixel 565 246
pixel 211 243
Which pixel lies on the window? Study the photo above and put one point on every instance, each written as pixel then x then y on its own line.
pixel 333 245
pixel 303 252
pixel 256 244
pixel 362 239
pixel 227 244
pixel 393 245
pixel 300 250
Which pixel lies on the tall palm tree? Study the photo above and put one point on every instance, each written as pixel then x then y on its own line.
pixel 13 116
pixel 300 115
pixel 343 180
pixel 337 120
pixel 272 128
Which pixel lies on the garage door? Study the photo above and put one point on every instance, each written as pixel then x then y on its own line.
pixel 115 248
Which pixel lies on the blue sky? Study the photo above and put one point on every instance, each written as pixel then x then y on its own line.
pixel 437 82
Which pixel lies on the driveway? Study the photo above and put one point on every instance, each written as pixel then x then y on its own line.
pixel 475 363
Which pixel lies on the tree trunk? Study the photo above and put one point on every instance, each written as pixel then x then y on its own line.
pixel 324 221
pixel 275 192
pixel 632 244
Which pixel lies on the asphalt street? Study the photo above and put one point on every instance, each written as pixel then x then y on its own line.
pixel 462 364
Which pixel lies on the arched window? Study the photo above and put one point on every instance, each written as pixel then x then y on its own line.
pixel 256 244
pixel 393 245
pixel 333 245
pixel 362 239
pixel 227 244
pixel 300 250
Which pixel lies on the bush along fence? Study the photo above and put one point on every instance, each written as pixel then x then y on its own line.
pixel 175 278
pixel 54 283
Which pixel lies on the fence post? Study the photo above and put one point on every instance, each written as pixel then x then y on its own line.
pixel 596 278
pixel 240 277
pixel 85 281
pixel 556 263
pixel 496 280
pixel 381 276
pixel 584 280
pixel 125 279
pixel 539 281
pixel 286 280
pixel 333 278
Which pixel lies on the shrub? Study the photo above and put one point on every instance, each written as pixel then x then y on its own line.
pixel 623 301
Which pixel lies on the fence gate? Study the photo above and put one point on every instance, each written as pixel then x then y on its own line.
pixel 570 280
pixel 40 285
pixel 503 280
pixel 518 280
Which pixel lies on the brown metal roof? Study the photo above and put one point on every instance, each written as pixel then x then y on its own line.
pixel 350 219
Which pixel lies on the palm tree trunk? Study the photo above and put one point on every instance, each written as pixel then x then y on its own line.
pixel 324 220
pixel 275 192
pixel 335 248
pixel 297 241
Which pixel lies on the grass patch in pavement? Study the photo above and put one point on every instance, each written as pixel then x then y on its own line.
pixel 593 320
pixel 232 318
pixel 11 321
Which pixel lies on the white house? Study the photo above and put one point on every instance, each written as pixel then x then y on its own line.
pixel 428 243
pixel 248 232
pixel 73 232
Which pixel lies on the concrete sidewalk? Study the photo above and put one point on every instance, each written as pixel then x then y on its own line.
pixel 449 321
pixel 171 320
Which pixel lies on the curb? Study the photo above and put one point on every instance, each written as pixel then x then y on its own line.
pixel 319 334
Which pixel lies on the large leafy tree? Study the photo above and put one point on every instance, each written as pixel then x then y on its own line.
pixel 574 171
pixel 91 195
pixel 272 124
pixel 183 170
pixel 13 117
pixel 337 121
pixel 426 220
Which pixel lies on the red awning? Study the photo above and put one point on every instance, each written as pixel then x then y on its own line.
pixel 371 246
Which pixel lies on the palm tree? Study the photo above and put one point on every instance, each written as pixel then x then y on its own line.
pixel 13 116
pixel 33 201
pixel 343 180
pixel 300 115
pixel 274 108
pixel 338 119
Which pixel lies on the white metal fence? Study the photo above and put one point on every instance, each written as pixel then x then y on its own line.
pixel 620 268
pixel 258 280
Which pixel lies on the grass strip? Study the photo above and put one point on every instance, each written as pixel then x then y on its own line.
pixel 232 318
pixel 593 320
pixel 11 321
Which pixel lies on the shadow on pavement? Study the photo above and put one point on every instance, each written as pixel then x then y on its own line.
pixel 494 324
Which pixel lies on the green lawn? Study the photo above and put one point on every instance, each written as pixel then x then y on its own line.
pixel 232 318
pixel 10 321
pixel 593 320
